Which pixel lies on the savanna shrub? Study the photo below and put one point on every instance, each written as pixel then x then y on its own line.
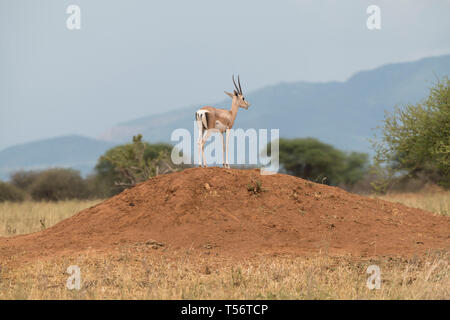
pixel 24 179
pixel 58 184
pixel 8 192
pixel 126 165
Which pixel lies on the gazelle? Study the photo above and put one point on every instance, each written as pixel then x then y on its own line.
pixel 210 119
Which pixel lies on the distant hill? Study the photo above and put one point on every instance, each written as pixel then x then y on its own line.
pixel 340 113
pixel 80 153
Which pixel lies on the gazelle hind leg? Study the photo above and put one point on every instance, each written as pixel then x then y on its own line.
pixel 205 137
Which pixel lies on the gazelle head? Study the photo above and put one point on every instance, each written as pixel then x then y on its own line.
pixel 238 95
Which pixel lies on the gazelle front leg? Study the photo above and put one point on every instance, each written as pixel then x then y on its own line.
pixel 227 165
pixel 199 143
pixel 224 149
pixel 205 137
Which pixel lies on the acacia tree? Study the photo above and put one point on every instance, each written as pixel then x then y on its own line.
pixel 126 165
pixel 416 138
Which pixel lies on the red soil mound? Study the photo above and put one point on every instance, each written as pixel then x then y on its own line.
pixel 225 212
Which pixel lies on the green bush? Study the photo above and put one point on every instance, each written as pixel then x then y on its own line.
pixel 416 138
pixel 126 165
pixel 97 188
pixel 8 192
pixel 311 159
pixel 58 184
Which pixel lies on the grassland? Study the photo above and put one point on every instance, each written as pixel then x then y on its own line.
pixel 30 216
pixel 434 201
pixel 189 275
pixel 153 274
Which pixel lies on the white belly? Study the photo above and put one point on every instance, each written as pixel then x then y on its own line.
pixel 220 126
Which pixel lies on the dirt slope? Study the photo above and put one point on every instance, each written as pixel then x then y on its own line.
pixel 212 209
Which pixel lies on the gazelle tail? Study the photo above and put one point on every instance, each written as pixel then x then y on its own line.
pixel 202 116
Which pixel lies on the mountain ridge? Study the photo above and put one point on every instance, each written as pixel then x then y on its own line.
pixel 74 151
pixel 356 75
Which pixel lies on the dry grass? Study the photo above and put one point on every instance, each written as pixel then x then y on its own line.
pixel 437 201
pixel 31 216
pixel 188 275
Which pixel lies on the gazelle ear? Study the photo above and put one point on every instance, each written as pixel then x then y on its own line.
pixel 229 94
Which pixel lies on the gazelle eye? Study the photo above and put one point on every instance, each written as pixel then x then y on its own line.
pixel 243 98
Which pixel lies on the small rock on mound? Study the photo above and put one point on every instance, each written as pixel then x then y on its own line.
pixel 241 213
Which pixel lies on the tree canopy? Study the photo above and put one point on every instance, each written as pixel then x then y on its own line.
pixel 314 160
pixel 416 138
pixel 126 165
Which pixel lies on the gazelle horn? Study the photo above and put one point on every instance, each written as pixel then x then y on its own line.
pixel 239 82
pixel 236 87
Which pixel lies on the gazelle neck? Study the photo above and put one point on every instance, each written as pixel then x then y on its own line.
pixel 234 109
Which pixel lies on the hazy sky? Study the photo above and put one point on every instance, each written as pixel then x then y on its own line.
pixel 134 58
